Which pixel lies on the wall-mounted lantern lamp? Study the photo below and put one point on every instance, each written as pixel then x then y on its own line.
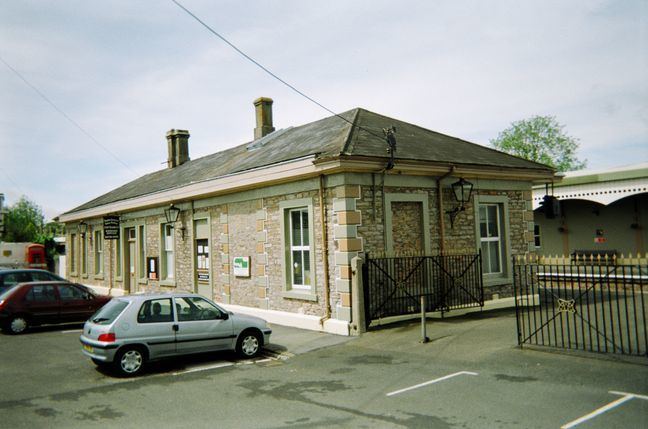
pixel 462 190
pixel 83 228
pixel 171 214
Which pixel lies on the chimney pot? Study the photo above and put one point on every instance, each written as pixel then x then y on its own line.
pixel 263 107
pixel 178 146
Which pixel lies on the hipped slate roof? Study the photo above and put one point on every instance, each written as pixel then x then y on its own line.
pixel 327 138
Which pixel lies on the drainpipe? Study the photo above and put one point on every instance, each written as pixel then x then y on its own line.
pixel 442 211
pixel 323 223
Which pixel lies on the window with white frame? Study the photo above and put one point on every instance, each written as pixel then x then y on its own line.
pixel 98 252
pixel 491 241
pixel 168 258
pixel 300 252
pixel 298 243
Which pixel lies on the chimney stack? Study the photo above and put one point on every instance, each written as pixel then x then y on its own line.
pixel 263 108
pixel 178 143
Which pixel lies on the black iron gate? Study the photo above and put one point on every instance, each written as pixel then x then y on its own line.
pixel 393 286
pixel 596 307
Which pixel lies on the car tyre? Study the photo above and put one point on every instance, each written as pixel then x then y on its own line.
pixel 248 344
pixel 129 361
pixel 17 325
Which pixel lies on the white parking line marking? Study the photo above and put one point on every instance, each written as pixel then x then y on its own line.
pixel 72 331
pixel 396 392
pixel 205 368
pixel 625 398
pixel 634 395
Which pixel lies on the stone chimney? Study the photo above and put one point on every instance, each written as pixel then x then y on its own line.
pixel 263 108
pixel 178 143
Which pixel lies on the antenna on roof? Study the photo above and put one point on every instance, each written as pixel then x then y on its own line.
pixel 391 145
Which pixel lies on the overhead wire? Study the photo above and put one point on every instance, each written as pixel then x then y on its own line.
pixel 66 116
pixel 265 69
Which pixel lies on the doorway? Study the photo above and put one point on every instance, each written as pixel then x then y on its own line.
pixel 130 260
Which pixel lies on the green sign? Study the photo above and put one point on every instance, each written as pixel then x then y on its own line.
pixel 241 266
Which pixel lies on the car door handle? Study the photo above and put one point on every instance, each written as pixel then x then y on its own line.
pixel 175 327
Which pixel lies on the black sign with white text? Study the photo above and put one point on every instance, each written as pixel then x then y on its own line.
pixel 111 227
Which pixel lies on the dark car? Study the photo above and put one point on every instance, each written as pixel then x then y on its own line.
pixel 40 303
pixel 11 277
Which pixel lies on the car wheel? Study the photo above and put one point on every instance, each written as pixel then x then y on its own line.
pixel 17 325
pixel 248 344
pixel 129 361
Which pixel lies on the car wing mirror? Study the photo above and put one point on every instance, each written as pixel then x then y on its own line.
pixel 224 316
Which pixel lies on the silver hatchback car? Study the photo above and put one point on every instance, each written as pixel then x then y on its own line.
pixel 131 330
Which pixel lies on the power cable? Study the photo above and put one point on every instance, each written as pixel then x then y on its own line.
pixel 265 69
pixel 20 190
pixel 72 121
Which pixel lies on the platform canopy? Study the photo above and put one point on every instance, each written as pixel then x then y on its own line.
pixel 600 186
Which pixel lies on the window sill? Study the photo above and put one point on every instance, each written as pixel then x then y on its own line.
pixel 142 281
pixel 170 283
pixel 85 276
pixel 305 295
pixel 98 276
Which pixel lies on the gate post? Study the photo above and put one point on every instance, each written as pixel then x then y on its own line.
pixel 358 323
pixel 424 337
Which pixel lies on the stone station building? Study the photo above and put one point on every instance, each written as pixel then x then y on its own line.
pixel 270 227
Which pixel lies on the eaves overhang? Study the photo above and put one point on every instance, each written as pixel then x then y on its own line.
pixel 297 169
pixel 236 182
pixel 363 164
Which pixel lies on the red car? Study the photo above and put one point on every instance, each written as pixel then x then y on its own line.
pixel 45 303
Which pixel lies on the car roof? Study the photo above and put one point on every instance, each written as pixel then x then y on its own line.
pixel 154 295
pixel 4 270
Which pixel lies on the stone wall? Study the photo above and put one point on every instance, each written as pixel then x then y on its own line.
pixel 355 226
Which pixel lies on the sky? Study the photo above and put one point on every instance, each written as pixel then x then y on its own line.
pixel 119 74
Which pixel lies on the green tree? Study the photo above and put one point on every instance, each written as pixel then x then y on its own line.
pixel 24 222
pixel 540 139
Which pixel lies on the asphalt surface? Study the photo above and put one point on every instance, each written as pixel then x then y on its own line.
pixel 471 375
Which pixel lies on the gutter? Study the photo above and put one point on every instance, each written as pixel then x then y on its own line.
pixel 323 223
pixel 441 210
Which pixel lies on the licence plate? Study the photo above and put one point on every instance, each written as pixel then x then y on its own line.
pixel 88 348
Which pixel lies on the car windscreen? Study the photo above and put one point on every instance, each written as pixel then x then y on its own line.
pixel 87 289
pixel 109 312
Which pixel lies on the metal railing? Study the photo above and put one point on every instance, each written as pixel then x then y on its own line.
pixel 595 308
pixel 394 286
